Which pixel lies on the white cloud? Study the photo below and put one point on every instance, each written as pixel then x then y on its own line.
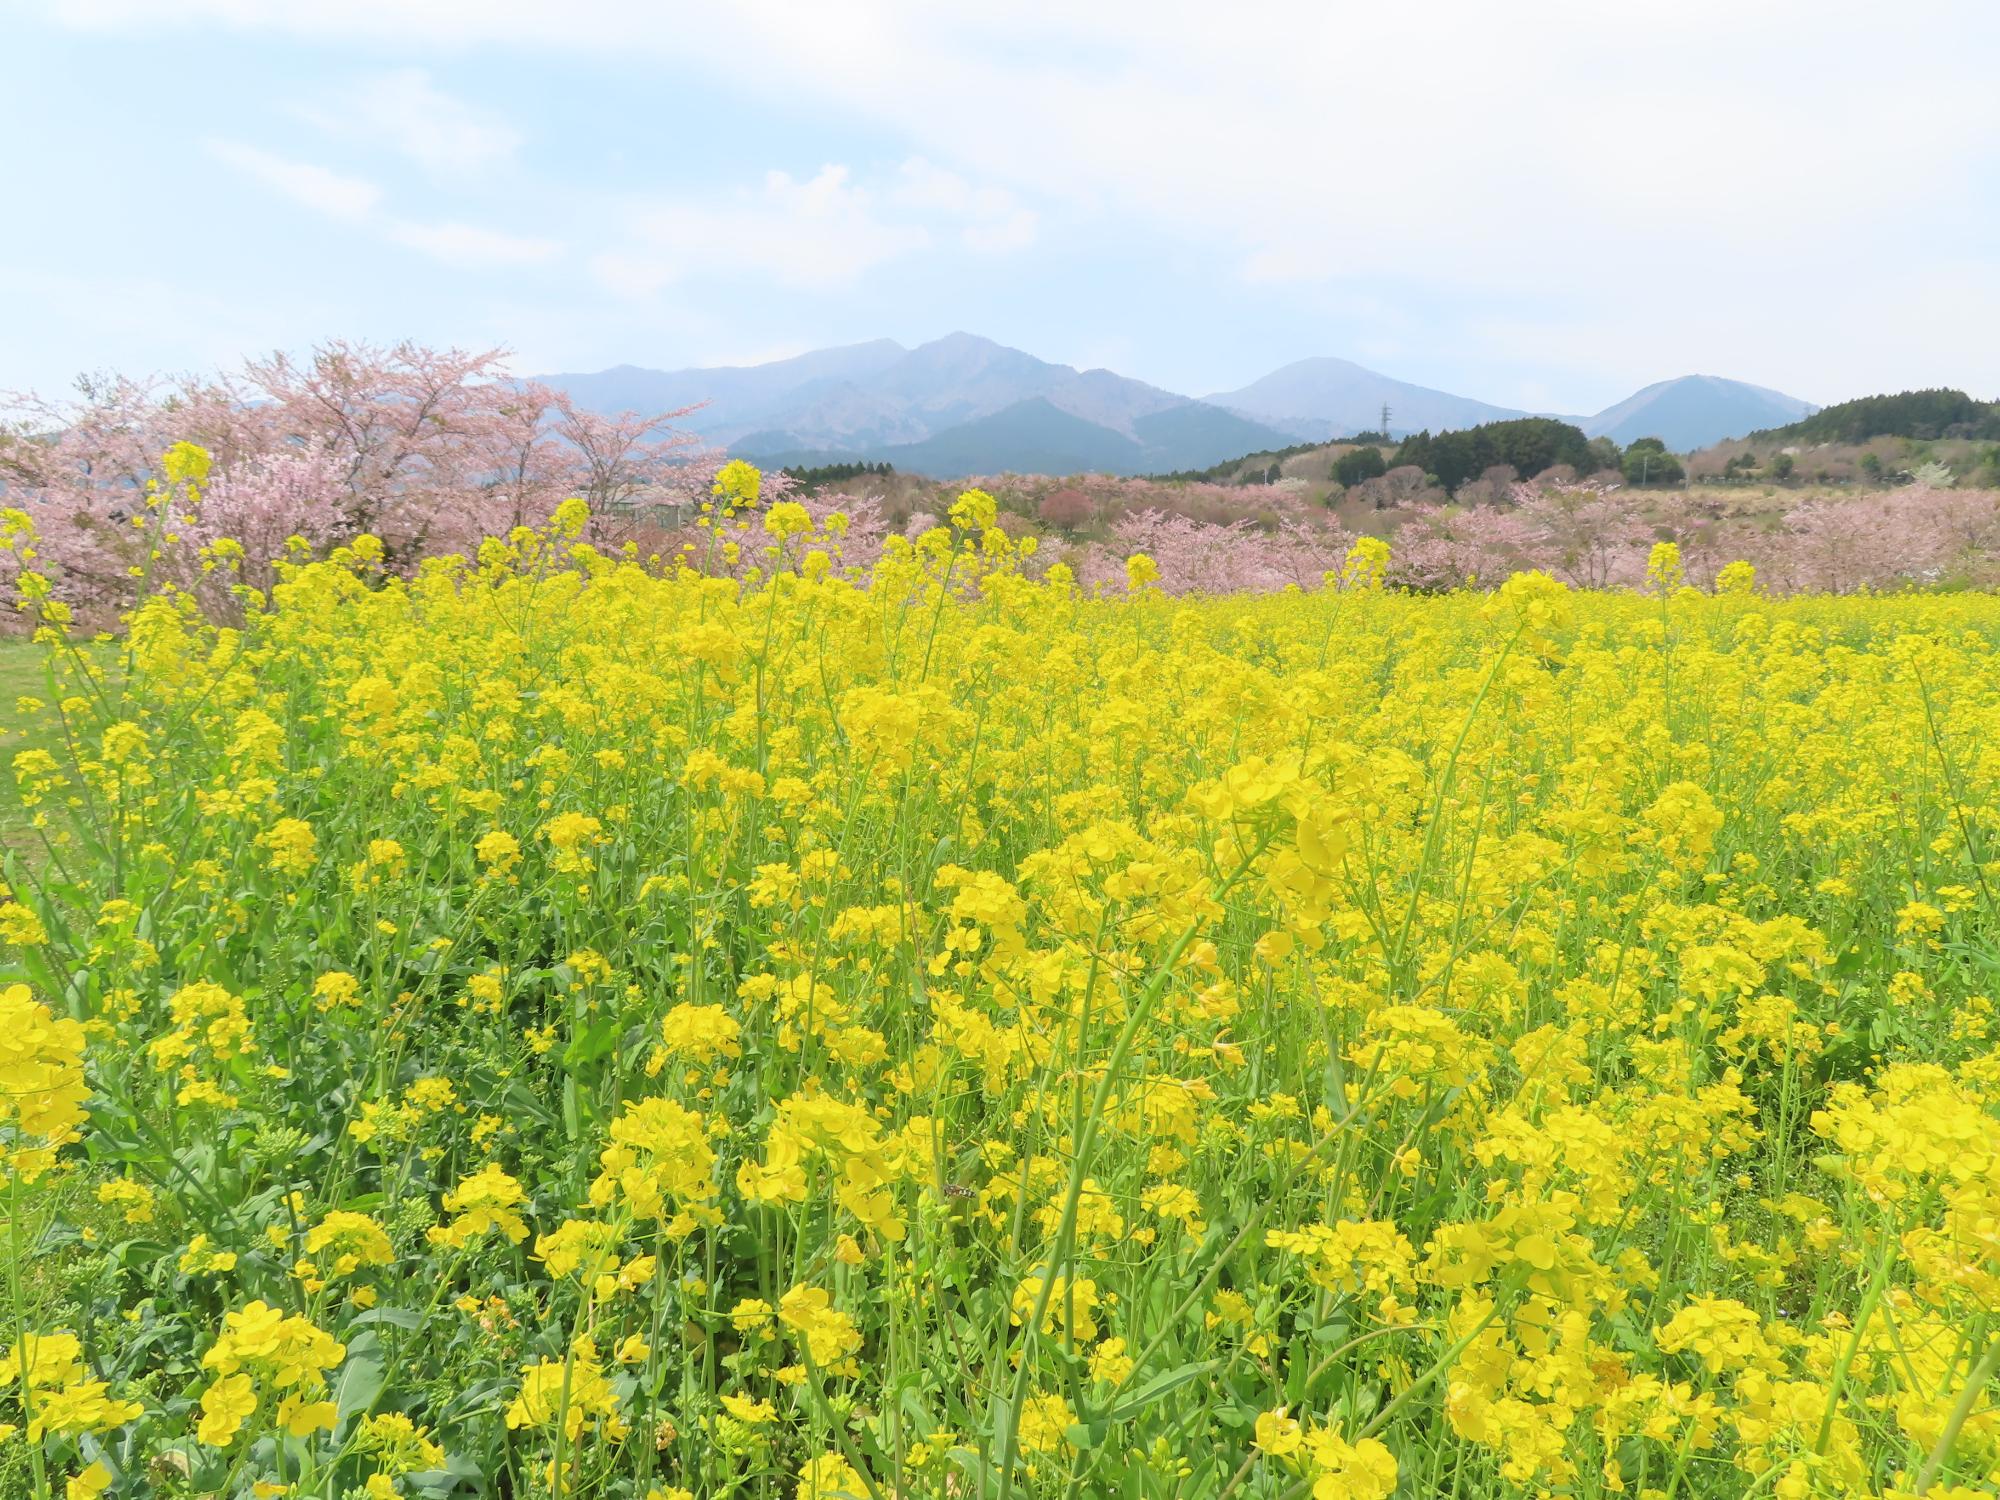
pixel 634 273
pixel 407 113
pixel 1016 231
pixel 317 188
pixel 471 246
pixel 814 233
pixel 819 232
pixel 355 201
pixel 1301 259
pixel 993 220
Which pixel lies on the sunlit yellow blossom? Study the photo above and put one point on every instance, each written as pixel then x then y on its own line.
pixel 42 1087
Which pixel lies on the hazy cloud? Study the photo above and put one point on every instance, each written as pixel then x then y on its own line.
pixel 470 245
pixel 991 220
pixel 402 110
pixel 816 232
pixel 334 194
pixel 355 201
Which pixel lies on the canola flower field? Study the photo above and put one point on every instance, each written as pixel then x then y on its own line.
pixel 555 1025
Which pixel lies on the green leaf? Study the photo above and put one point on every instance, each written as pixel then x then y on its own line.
pixel 1137 1400
pixel 361 1375
pixel 395 1317
pixel 593 1042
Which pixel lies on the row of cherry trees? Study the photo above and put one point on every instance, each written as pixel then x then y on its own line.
pixel 1915 536
pixel 430 450
pixel 1590 535
pixel 1595 533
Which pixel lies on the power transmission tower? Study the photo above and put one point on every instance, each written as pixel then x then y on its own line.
pixel 1385 420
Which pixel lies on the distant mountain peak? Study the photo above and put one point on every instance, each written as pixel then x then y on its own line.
pixel 1325 396
pixel 958 338
pixel 1692 411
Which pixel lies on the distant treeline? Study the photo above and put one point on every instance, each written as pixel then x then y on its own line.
pixel 810 479
pixel 1227 469
pixel 1526 445
pixel 1923 415
pixel 1529 445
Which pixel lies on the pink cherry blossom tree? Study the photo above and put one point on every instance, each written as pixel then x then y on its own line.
pixel 1195 557
pixel 428 449
pixel 1443 547
pixel 1590 536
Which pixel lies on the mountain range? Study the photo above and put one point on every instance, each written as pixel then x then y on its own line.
pixel 963 405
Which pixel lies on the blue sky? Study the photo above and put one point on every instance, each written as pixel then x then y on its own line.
pixel 1546 203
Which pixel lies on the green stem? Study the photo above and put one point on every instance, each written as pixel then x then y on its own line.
pixel 1437 805
pixel 1876 1284
pixel 22 1368
pixel 1975 1385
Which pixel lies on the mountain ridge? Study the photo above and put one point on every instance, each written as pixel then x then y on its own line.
pixel 963 404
